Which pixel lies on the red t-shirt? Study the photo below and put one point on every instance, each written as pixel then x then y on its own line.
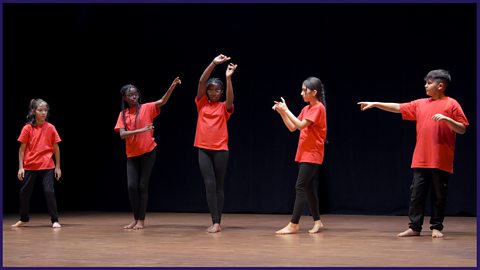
pixel 435 140
pixel 39 149
pixel 312 138
pixel 212 132
pixel 140 143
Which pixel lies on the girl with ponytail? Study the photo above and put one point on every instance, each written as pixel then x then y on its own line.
pixel 38 143
pixel 312 123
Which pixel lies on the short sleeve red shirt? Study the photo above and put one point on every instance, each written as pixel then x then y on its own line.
pixel 435 140
pixel 39 149
pixel 312 138
pixel 140 143
pixel 212 131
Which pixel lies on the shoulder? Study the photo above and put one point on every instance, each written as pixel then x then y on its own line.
pixel 148 105
pixel 50 127
pixel 453 101
pixel 27 127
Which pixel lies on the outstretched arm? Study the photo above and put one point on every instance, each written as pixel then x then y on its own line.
pixel 290 120
pixel 457 127
pixel 202 84
pixel 230 70
pixel 389 107
pixel 128 133
pixel 58 171
pixel 159 103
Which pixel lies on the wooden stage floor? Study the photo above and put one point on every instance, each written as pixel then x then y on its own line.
pixel 179 239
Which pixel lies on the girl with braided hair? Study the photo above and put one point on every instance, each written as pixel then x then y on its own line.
pixel 135 125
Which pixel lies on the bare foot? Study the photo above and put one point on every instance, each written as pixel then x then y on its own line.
pixel 19 224
pixel 316 227
pixel 437 234
pixel 214 228
pixel 289 229
pixel 131 225
pixel 408 232
pixel 140 225
pixel 56 225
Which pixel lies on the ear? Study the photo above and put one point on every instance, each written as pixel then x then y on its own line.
pixel 441 86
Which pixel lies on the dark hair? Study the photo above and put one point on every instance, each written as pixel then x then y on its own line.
pixel 214 81
pixel 123 92
pixel 34 103
pixel 316 84
pixel 439 75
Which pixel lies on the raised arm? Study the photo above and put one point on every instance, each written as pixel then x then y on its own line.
pixel 290 120
pixel 159 103
pixel 389 107
pixel 202 83
pixel 230 70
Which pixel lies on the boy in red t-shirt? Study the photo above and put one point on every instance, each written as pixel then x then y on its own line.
pixel 38 142
pixel 439 118
pixel 312 123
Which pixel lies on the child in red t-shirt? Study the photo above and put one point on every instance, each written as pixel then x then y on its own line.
pixel 38 142
pixel 312 123
pixel 211 136
pixel 439 118
pixel 135 125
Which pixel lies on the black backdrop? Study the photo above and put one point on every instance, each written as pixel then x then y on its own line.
pixel 77 56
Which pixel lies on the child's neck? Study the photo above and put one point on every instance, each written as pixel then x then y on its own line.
pixel 315 101
pixel 439 96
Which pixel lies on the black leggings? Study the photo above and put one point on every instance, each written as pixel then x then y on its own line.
pixel 139 169
pixel 26 190
pixel 213 166
pixel 304 190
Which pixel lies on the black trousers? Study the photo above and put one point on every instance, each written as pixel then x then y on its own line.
pixel 213 167
pixel 26 190
pixel 305 192
pixel 424 180
pixel 139 169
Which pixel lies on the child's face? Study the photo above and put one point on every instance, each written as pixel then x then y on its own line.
pixel 308 94
pixel 432 88
pixel 41 112
pixel 131 97
pixel 214 92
